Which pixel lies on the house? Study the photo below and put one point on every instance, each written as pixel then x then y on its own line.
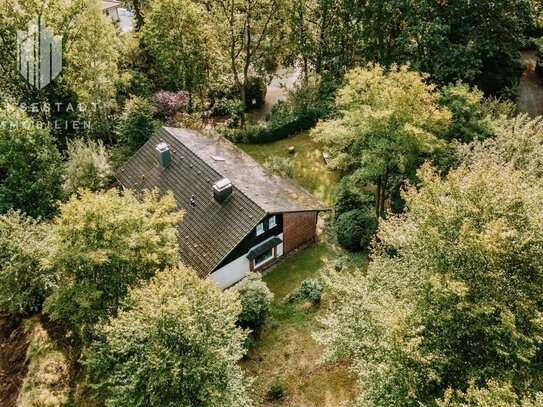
pixel 111 9
pixel 239 216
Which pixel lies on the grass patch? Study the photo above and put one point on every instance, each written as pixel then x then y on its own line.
pixel 285 352
pixel 310 170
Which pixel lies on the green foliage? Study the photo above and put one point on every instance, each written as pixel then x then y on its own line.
pixel 24 283
pixel 256 299
pixel 136 124
pixel 276 391
pixel 177 34
pixel 468 121
pixel 31 170
pixel 388 123
pixel 453 292
pixel 88 166
pixel 280 166
pixel 349 198
pixel 311 290
pixel 104 243
pixel 176 343
pixel 492 395
pixel 355 229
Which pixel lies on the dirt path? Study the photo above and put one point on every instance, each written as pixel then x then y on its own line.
pixel 531 87
pixel 284 79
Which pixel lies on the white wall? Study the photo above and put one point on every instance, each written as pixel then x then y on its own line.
pixel 232 272
pixel 237 269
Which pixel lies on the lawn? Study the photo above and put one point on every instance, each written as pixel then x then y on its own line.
pixel 286 352
pixel 309 167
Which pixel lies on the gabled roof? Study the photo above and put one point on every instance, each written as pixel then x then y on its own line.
pixel 210 231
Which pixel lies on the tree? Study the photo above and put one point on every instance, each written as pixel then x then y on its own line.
pixel 469 121
pixel 453 293
pixel 31 171
pixel 24 283
pixel 88 166
pixel 91 55
pixel 388 123
pixel 136 124
pixel 256 298
pixel 176 343
pixel 249 32
pixel 355 229
pixel 178 36
pixel 103 244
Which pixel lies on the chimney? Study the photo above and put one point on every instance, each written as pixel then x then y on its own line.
pixel 163 155
pixel 222 189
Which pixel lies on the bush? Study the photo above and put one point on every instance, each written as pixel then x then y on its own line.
pixel 170 103
pixel 276 391
pixel 88 166
pixel 256 89
pixel 136 124
pixel 349 198
pixel 280 166
pixel 355 229
pixel 23 282
pixel 256 298
pixel 311 290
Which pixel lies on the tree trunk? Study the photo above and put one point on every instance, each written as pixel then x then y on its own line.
pixel 378 198
pixel 383 194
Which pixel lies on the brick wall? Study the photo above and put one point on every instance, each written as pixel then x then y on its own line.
pixel 298 228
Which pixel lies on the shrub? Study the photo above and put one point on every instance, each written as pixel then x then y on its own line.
pixel 23 282
pixel 349 198
pixel 88 166
pixel 276 391
pixel 256 89
pixel 169 103
pixel 311 289
pixel 256 298
pixel 280 166
pixel 355 229
pixel 136 124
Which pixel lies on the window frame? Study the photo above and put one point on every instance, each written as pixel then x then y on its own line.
pixel 261 232
pixel 266 260
pixel 274 218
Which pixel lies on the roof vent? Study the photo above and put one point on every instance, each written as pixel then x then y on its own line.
pixel 163 155
pixel 222 189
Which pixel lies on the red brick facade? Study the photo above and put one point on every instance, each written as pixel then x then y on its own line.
pixel 298 228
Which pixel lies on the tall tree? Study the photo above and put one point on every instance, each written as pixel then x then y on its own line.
pixel 388 123
pixel 103 244
pixel 452 297
pixel 251 34
pixel 31 170
pixel 175 344
pixel 177 34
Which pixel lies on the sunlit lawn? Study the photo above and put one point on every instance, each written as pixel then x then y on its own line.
pixel 309 166
pixel 286 351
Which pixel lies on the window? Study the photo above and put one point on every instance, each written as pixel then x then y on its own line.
pixel 259 229
pixel 264 258
pixel 272 222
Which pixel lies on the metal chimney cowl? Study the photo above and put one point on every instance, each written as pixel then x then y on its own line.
pixel 163 155
pixel 222 189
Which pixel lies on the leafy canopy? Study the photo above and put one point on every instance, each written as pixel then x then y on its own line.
pixel 104 243
pixel 453 293
pixel 175 344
